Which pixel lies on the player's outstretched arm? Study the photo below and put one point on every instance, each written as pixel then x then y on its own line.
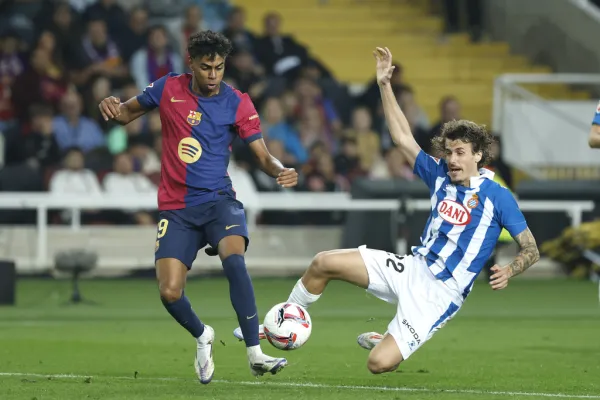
pixel 594 138
pixel 528 255
pixel 396 121
pixel 122 113
pixel 286 177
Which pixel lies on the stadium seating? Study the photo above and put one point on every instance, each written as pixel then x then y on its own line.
pixel 343 33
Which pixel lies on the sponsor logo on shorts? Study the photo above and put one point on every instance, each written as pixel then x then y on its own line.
pixel 453 212
pixel 417 340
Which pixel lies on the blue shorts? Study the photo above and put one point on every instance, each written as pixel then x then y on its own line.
pixel 182 233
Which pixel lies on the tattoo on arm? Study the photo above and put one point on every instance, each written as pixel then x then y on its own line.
pixel 528 255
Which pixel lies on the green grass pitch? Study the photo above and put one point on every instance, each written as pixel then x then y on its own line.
pixel 535 340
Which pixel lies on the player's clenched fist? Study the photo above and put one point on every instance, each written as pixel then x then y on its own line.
pixel 287 178
pixel 384 65
pixel 110 108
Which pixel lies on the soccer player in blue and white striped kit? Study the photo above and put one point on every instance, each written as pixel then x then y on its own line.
pixel 468 212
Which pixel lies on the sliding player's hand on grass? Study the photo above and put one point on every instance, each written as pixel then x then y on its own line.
pixel 287 178
pixel 384 65
pixel 499 280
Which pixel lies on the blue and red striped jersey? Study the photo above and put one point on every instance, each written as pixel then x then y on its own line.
pixel 197 133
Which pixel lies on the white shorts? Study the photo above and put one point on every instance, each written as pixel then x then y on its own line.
pixel 424 303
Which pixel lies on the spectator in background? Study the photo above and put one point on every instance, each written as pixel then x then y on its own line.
pixel 111 13
pixel 65 28
pixel 156 60
pixel 449 111
pixel 392 166
pixel 280 54
pixel 276 128
pixel 154 124
pixel 145 160
pixel 136 33
pixel 40 148
pixel 99 90
pixel 73 178
pixel 71 129
pixel 191 23
pixel 310 95
pixel 248 75
pixel 242 38
pixel 123 181
pixel 367 141
pixel 322 178
pixel 312 130
pixel 97 54
pixel 11 66
pixel 118 137
pixel 40 83
pixel 348 163
pixel 498 165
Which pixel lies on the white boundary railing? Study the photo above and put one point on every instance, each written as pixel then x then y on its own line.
pixel 510 84
pixel 42 202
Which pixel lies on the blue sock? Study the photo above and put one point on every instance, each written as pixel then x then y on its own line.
pixel 241 293
pixel 182 311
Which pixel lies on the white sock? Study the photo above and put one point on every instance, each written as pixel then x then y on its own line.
pixel 253 352
pixel 302 296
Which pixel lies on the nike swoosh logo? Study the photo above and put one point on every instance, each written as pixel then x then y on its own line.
pixel 228 227
pixel 251 316
pixel 173 100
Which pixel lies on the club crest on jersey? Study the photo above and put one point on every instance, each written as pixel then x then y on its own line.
pixel 189 150
pixel 473 201
pixel 194 118
pixel 453 212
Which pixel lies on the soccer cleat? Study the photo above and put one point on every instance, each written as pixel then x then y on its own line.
pixel 237 332
pixel 204 363
pixel 369 340
pixel 263 364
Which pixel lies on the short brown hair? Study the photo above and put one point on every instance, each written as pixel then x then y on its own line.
pixel 468 132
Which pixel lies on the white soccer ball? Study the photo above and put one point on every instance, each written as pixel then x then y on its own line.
pixel 287 326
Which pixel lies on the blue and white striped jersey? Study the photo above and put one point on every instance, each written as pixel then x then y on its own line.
pixel 465 222
pixel 596 120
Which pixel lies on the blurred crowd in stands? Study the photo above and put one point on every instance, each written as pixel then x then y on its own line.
pixel 58 60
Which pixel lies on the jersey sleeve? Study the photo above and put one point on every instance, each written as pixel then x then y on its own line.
pixel 150 98
pixel 247 122
pixel 509 214
pixel 429 169
pixel 596 120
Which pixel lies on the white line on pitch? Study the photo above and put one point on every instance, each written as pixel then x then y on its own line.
pixel 316 385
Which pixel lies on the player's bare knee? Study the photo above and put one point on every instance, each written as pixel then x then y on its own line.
pixel 379 365
pixel 170 293
pixel 321 264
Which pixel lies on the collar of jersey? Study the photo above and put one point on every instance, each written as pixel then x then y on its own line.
pixel 212 98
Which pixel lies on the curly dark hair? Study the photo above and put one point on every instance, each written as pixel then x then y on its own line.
pixel 210 44
pixel 468 132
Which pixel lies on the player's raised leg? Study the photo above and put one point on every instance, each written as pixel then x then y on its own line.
pixel 344 264
pixel 231 251
pixel 176 248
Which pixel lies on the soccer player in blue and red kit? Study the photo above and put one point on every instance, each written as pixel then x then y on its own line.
pixel 201 116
